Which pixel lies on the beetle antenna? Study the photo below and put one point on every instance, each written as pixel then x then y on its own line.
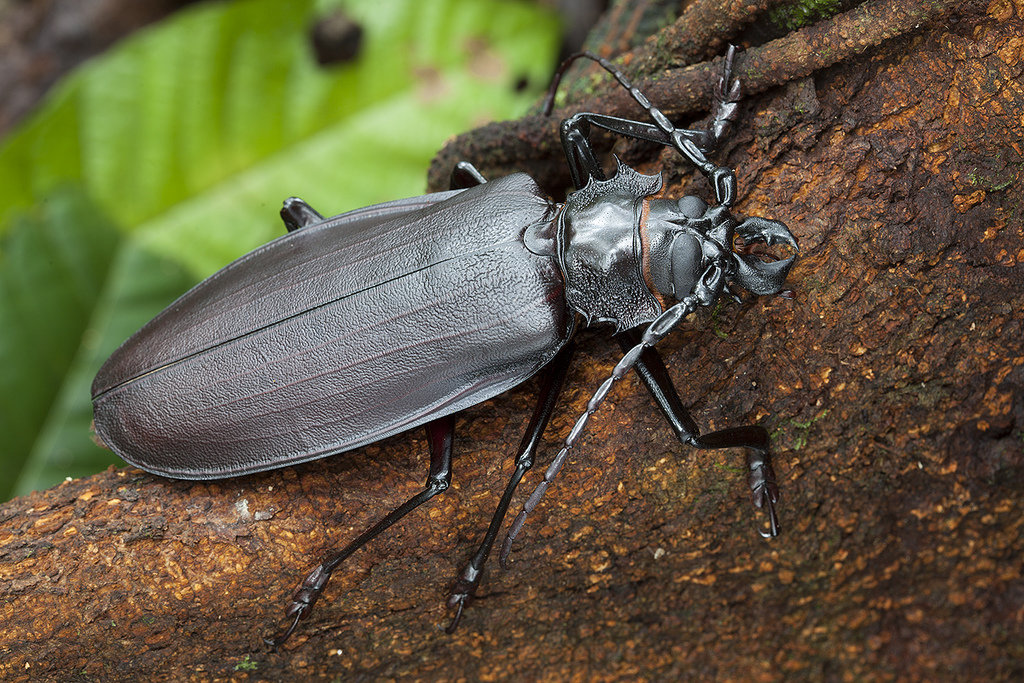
pixel 661 326
pixel 549 99
pixel 638 97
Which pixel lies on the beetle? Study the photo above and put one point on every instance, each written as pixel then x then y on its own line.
pixel 350 329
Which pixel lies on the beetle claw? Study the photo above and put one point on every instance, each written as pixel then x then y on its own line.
pixel 459 602
pixel 773 522
pixel 462 593
pixel 279 640
pixel 724 181
pixel 764 497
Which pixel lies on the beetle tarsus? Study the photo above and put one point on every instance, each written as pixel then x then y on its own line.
pixel 279 640
pixel 459 605
pixel 307 595
pixel 764 492
pixel 465 589
pixel 726 107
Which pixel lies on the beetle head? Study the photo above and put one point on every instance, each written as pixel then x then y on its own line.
pixel 692 250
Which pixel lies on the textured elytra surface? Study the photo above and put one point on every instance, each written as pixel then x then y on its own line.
pixel 892 383
pixel 359 330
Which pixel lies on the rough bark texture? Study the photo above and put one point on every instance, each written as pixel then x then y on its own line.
pixel 702 31
pixel 532 142
pixel 40 40
pixel 892 381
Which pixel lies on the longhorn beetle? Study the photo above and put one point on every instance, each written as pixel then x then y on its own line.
pixel 350 329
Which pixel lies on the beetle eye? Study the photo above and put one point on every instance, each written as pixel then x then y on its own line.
pixel 692 207
pixel 686 258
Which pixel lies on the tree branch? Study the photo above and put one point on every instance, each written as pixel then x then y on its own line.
pixel 701 31
pixel 529 143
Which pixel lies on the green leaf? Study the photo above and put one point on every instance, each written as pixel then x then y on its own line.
pixel 53 265
pixel 163 160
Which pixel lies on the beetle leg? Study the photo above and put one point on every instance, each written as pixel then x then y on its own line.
pixel 726 103
pixel 298 214
pixel 465 175
pixel 583 165
pixel 654 333
pixel 691 144
pixel 727 97
pixel 440 433
pixel 550 386
pixel 764 491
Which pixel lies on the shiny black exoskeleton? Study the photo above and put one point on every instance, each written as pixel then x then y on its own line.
pixel 353 328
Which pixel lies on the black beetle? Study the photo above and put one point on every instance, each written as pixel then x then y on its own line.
pixel 353 328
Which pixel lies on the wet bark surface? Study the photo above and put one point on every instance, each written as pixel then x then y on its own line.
pixel 892 382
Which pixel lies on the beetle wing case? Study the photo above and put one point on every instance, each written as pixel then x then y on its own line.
pixel 339 334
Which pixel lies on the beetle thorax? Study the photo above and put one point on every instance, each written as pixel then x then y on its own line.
pixel 600 250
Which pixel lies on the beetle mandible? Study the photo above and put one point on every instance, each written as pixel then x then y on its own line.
pixel 351 329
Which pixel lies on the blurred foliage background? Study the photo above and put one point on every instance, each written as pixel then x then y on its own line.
pixel 153 165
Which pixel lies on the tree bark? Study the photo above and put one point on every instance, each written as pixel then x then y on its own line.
pixel 892 382
pixel 43 39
